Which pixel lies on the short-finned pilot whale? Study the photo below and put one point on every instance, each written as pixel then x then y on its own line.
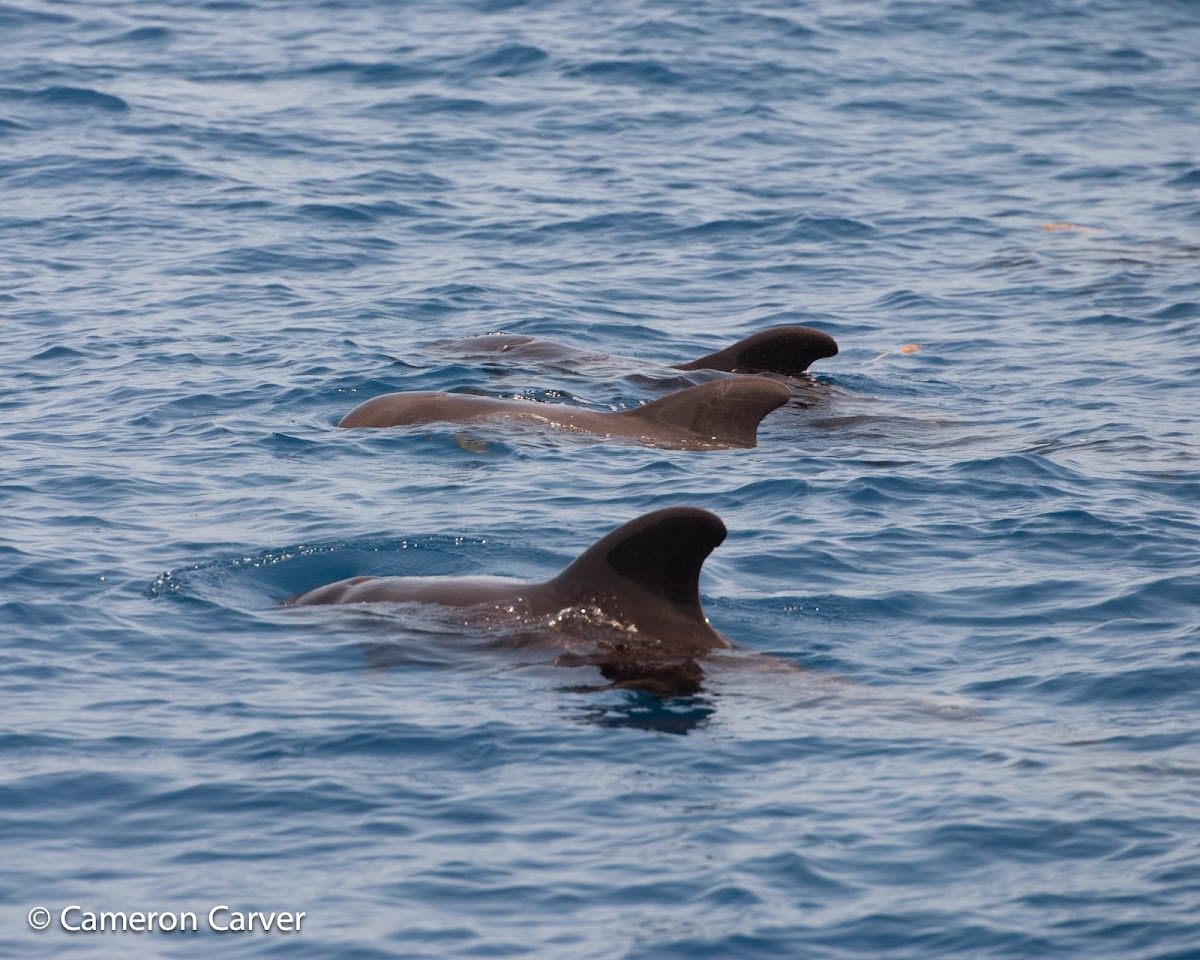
pixel 637 590
pixel 723 413
pixel 783 350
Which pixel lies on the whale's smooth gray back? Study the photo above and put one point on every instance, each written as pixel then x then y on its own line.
pixel 722 413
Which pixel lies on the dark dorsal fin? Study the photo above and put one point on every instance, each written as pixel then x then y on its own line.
pixel 727 410
pixel 787 350
pixel 653 559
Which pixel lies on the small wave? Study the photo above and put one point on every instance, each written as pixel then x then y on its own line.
pixel 335 212
pixel 731 227
pixel 1121 60
pixel 1178 311
pixel 355 213
pixel 815 229
pixel 142 35
pixel 431 104
pixel 641 222
pixel 914 109
pixel 413 182
pixel 769 24
pixel 268 262
pixel 60 352
pixel 268 576
pixel 1018 470
pixel 56 170
pixel 1109 95
pixel 389 74
pixel 1139 685
pixel 508 61
pixel 82 97
pixel 641 73
pixel 13 18
pixel 378 74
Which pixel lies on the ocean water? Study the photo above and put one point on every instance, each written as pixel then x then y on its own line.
pixel 224 224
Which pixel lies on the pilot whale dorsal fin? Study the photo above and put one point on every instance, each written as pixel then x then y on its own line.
pixel 656 557
pixel 787 350
pixel 727 410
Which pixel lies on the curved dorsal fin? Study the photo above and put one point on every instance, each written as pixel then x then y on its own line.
pixel 727 410
pixel 653 560
pixel 787 350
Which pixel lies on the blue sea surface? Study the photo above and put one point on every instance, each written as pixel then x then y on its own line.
pixel 224 224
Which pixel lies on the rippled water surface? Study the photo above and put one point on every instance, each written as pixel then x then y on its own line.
pixel 224 224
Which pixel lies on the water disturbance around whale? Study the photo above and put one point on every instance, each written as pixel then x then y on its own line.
pixel 642 580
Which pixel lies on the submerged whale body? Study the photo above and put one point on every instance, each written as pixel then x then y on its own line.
pixel 636 591
pixel 783 350
pixel 724 413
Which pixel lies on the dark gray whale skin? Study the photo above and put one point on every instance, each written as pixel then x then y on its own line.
pixel 643 578
pixel 722 414
pixel 783 350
